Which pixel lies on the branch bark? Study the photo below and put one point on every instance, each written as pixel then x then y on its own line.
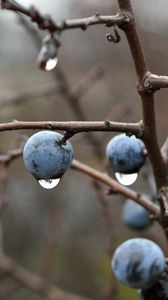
pixel 154 83
pixel 75 126
pixel 46 23
pixel 148 117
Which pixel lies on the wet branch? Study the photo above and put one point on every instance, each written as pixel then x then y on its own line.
pixel 46 23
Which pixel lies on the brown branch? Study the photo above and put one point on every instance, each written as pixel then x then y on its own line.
pixel 75 126
pixel 154 82
pixel 34 282
pixel 134 42
pixel 148 119
pixel 125 191
pixel 46 23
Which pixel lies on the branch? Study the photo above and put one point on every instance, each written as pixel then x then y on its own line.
pixel 34 282
pixel 74 126
pixel 148 118
pixel 46 23
pixel 104 178
pixel 154 83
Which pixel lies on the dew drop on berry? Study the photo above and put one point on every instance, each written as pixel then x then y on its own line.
pixel 126 179
pixel 49 183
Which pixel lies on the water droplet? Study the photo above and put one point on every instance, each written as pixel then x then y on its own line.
pixel 49 183
pixel 51 63
pixel 126 179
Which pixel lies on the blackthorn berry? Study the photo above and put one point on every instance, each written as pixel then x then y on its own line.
pixel 138 263
pixel 125 154
pixel 135 216
pixel 45 156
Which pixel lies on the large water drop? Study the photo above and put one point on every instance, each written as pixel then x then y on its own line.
pixel 51 64
pixel 126 179
pixel 49 183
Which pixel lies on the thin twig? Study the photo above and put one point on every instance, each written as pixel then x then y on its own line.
pixel 46 23
pixel 104 178
pixel 75 126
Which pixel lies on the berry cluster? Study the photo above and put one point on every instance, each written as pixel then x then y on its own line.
pixel 137 262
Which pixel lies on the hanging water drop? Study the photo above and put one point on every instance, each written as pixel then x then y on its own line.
pixel 126 179
pixel 48 55
pixel 49 183
pixel 51 64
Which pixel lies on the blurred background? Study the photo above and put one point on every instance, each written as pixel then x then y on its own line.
pixel 65 234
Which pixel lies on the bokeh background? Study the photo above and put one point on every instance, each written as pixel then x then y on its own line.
pixel 62 233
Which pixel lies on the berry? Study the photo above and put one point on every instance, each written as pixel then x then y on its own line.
pixel 138 263
pixel 45 156
pixel 125 154
pixel 135 216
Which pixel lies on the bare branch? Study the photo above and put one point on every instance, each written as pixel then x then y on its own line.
pixel 154 82
pixel 46 23
pixel 125 191
pixel 34 282
pixel 148 117
pixel 75 126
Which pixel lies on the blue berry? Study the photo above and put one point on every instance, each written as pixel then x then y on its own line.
pixel 135 216
pixel 138 263
pixel 125 154
pixel 45 156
